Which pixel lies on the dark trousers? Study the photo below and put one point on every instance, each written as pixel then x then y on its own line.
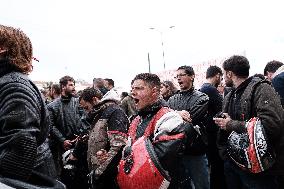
pixel 216 164
pixel 237 178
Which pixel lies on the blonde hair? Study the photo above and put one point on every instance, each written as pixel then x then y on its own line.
pixel 18 48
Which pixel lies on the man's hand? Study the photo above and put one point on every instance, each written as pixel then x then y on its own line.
pixel 185 115
pixel 83 138
pixel 67 144
pixel 72 157
pixel 102 156
pixel 222 122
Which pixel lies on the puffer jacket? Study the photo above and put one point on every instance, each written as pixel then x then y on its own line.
pixel 24 125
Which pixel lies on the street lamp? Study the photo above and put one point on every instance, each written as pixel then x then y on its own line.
pixel 171 27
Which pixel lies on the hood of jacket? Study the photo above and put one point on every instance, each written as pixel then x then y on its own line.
pixel 112 95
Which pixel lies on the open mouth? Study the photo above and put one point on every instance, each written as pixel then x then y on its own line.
pixel 136 100
pixel 180 82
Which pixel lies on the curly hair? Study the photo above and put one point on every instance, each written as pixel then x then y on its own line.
pixel 64 81
pixel 272 66
pixel 239 65
pixel 187 69
pixel 90 92
pixel 151 79
pixel 18 48
pixel 213 71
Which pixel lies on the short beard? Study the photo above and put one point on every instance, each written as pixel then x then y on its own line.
pixel 69 94
pixel 229 83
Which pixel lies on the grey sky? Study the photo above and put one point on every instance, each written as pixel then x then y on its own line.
pixel 95 38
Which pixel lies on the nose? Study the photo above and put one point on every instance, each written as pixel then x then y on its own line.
pixel 132 92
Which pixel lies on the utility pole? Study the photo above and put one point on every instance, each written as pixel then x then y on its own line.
pixel 162 42
pixel 149 63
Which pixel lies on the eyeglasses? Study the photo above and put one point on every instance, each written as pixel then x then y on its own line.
pixel 180 75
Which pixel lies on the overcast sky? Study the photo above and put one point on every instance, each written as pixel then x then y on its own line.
pixel 111 39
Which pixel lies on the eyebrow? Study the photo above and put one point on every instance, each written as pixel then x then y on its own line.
pixel 137 87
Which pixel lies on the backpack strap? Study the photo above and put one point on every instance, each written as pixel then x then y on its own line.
pixel 247 96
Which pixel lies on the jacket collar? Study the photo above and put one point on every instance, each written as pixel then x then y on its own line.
pixel 6 67
pixel 243 85
pixel 66 98
pixel 97 110
pixel 186 91
pixel 152 109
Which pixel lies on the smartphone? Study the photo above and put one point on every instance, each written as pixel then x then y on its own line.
pixel 220 115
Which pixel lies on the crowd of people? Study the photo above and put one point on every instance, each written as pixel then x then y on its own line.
pixel 226 135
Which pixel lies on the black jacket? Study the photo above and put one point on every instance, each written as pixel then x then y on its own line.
pixel 193 101
pixel 196 103
pixel 65 118
pixel 214 106
pixel 255 98
pixel 24 127
pixel 278 84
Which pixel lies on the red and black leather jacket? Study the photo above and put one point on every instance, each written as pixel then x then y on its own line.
pixel 166 130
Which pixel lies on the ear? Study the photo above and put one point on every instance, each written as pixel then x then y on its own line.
pixel 63 87
pixel 229 74
pixel 30 65
pixel 95 100
pixel 156 91
pixel 217 77
pixel 270 74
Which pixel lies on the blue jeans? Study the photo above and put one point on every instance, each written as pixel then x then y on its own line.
pixel 237 178
pixel 196 168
